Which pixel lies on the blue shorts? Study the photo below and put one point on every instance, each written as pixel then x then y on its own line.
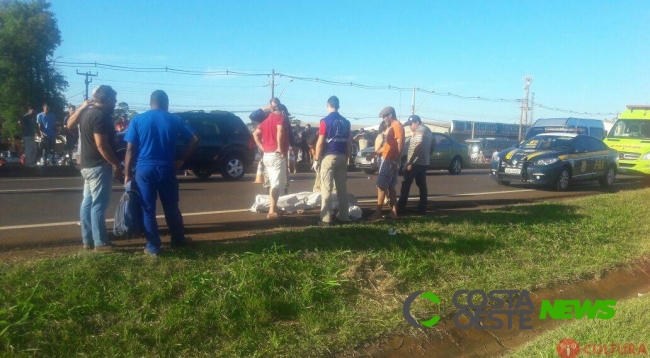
pixel 388 175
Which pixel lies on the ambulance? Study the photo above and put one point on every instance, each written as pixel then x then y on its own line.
pixel 630 136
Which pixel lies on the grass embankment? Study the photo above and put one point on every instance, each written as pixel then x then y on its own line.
pixel 627 333
pixel 306 292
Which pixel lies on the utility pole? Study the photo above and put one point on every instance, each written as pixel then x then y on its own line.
pixel 523 120
pixel 273 83
pixel 413 102
pixel 532 108
pixel 88 79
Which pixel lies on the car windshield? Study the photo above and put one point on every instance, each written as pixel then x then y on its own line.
pixel 631 129
pixel 548 143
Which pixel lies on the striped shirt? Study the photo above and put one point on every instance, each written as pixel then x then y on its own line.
pixel 424 138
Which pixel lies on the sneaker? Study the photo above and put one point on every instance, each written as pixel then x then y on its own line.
pixel 150 254
pixel 324 223
pixel 87 247
pixel 103 248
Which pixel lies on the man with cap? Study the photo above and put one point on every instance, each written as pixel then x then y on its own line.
pixel 388 170
pixel 417 162
pixel 332 153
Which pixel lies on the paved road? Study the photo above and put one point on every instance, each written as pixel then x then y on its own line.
pixel 38 210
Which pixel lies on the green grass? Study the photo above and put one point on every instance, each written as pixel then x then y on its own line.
pixel 306 292
pixel 628 326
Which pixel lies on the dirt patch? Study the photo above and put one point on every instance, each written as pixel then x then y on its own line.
pixel 446 340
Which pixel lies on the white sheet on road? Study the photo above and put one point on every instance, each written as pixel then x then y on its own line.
pixel 305 200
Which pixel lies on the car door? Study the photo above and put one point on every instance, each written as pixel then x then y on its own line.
pixel 598 150
pixel 581 159
pixel 442 151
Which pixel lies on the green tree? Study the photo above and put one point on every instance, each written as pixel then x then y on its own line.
pixel 28 37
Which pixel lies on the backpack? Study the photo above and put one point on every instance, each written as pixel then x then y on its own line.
pixel 129 220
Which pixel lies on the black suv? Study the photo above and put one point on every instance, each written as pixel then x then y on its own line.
pixel 226 145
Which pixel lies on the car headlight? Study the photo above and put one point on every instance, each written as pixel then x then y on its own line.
pixel 646 156
pixel 546 161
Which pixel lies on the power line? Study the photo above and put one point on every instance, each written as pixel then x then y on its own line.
pixel 167 69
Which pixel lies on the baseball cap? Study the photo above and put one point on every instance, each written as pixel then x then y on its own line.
pixel 413 119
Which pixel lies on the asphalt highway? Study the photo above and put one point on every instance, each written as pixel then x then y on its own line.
pixel 37 211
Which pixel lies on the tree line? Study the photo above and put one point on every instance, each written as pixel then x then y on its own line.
pixel 29 35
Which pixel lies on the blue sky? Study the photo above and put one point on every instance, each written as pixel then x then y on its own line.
pixel 589 57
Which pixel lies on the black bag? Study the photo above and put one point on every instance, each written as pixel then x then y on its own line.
pixel 129 218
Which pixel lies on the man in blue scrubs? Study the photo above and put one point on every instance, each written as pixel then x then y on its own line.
pixel 152 139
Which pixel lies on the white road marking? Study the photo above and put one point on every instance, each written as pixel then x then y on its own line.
pixel 41 179
pixel 47 190
pixel 217 212
pixel 411 198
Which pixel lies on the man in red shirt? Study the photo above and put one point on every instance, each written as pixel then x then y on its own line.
pixel 388 171
pixel 273 139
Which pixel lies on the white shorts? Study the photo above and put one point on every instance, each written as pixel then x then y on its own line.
pixel 276 167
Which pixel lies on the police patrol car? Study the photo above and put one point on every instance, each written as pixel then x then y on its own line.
pixel 556 160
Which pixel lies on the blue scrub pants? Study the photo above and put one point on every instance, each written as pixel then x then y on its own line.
pixel 154 180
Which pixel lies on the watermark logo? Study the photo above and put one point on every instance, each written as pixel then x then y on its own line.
pixel 570 309
pixel 516 305
pixel 569 348
pixel 406 310
pixel 497 309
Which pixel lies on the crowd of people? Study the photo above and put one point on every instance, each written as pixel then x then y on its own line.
pixel 329 153
pixel 151 161
pixel 41 131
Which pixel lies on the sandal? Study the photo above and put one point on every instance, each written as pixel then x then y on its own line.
pixel 272 216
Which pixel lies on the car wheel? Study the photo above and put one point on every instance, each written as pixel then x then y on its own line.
pixel 202 174
pixel 503 182
pixel 563 180
pixel 609 178
pixel 456 166
pixel 233 167
pixel 370 171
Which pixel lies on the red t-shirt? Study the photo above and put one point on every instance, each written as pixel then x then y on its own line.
pixel 269 129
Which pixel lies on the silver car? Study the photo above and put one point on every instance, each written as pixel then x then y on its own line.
pixel 448 153
pixel 10 157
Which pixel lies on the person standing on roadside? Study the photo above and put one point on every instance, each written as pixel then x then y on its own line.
pixel 379 141
pixel 362 139
pixel 258 116
pixel 332 152
pixel 417 162
pixel 28 130
pixel 272 137
pixel 151 138
pixel 71 136
pixel 47 126
pixel 98 164
pixel 388 171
